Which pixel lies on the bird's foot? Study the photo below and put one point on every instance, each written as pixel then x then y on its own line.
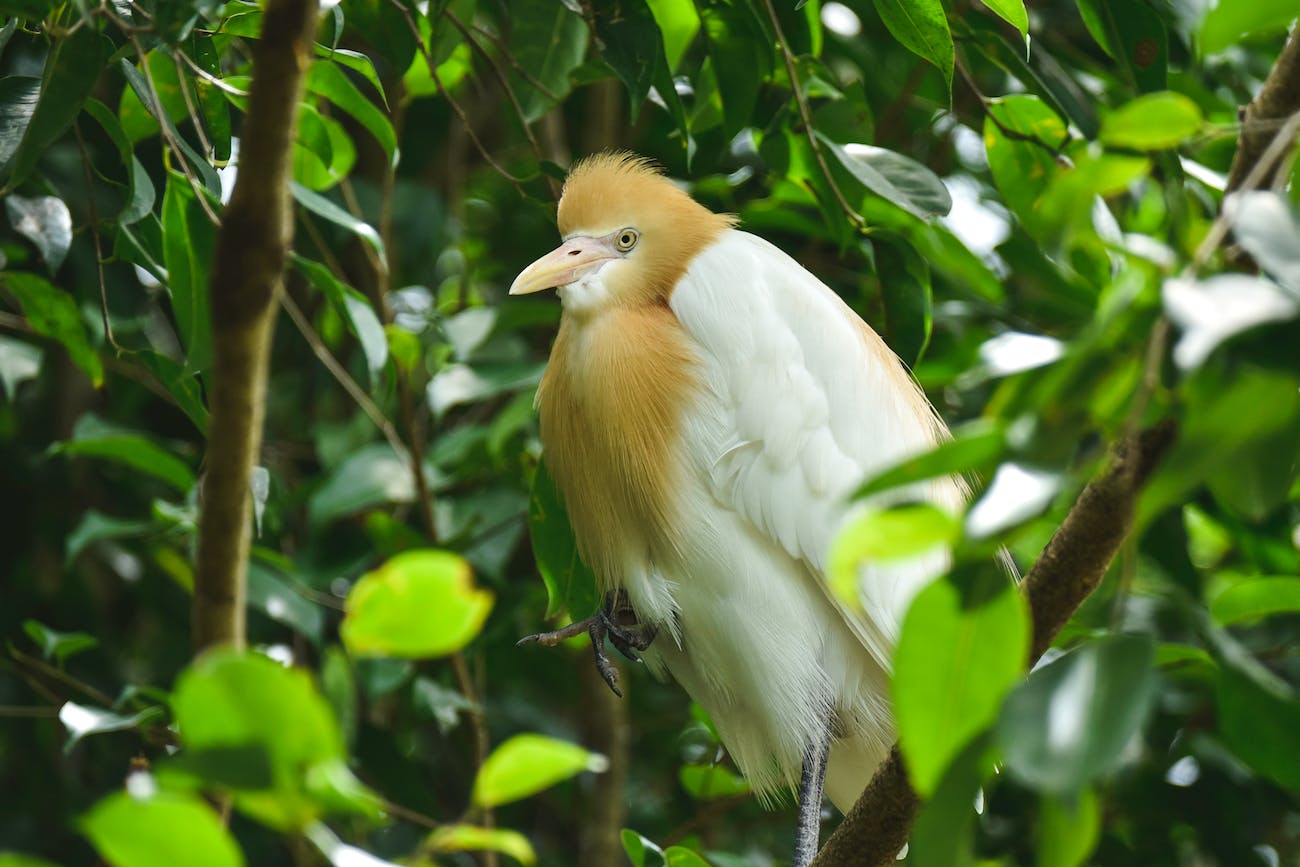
pixel 614 620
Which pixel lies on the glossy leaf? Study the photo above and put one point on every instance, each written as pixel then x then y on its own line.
pixel 922 28
pixel 52 312
pixel 963 646
pixel 1152 122
pixel 419 604
pixel 19 95
pixel 160 831
pixel 474 838
pixel 894 177
pixel 1093 699
pixel 526 764
pixel 1011 11
pixel 82 721
pixel 46 222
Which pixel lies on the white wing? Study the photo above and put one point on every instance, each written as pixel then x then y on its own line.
pixel 804 403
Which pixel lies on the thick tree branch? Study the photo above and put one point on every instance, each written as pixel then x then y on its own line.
pixel 256 230
pixel 1277 100
pixel 1065 574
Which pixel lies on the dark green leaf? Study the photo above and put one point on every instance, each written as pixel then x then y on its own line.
pixel 1138 31
pixel 1256 598
pixel 1261 722
pixel 894 177
pixel 1069 722
pixel 238 767
pixel 207 175
pixel 370 476
pixel 19 95
pixel 71 71
pixel 549 41
pixel 355 310
pixel 459 384
pixel 278 598
pixel 570 583
pixel 326 209
pixel 922 28
pixel 92 437
pixel 905 290
pixel 162 830
pixel 742 59
pixel 52 312
pixel 963 646
pixel 188 243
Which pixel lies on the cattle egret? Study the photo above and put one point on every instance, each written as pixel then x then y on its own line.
pixel 707 410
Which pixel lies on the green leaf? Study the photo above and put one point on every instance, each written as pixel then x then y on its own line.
pixel 631 44
pixel 1094 700
pixel 1227 23
pixel 229 699
pixel 326 79
pixel 92 437
pixel 549 40
pixel 894 177
pixel 709 782
pixel 277 597
pixel 1261 723
pixel 355 310
pixel 1256 598
pixel 458 384
pixel 636 846
pixel 678 23
pixel 324 208
pixel 882 535
pixel 905 290
pixel 1011 11
pixel 160 831
pixel 52 312
pixel 1068 830
pixel 239 767
pixel 19 95
pixel 473 838
pixel 207 175
pixel 14 859
pixel 71 71
pixel 96 526
pixel 323 152
pixel 373 475
pixel 46 222
pixel 680 856
pixel 944 835
pixel 418 604
pixel 528 763
pixel 973 447
pixel 1134 34
pixel 142 196
pixel 1152 122
pixel 742 59
pixel 1022 135
pixel 922 28
pixel 189 239
pixel 570 583
pixel 56 645
pixel 964 644
pixel 82 721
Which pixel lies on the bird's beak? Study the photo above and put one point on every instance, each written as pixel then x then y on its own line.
pixel 565 264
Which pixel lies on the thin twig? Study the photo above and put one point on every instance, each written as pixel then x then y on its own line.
pixel 456 106
pixel 59 675
pixel 355 391
pixel 853 216
pixel 94 234
pixel 518 67
pixel 190 106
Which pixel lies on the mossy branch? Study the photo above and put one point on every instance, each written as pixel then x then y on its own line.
pixel 256 230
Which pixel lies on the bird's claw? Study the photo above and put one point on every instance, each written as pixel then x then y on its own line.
pixel 605 623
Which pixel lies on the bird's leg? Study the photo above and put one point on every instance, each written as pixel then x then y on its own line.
pixel 614 620
pixel 811 785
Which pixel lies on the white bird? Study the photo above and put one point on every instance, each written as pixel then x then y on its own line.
pixel 708 408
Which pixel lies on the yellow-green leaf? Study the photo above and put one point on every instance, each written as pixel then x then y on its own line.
pixel 473 838
pixel 526 764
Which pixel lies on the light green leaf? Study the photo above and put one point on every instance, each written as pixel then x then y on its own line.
pixel 473 838
pixel 325 209
pixel 160 831
pixel 326 79
pixel 709 782
pixel 1256 598
pixel 680 856
pixel 636 847
pixel 1011 11
pixel 1095 699
pixel 1227 22
pixel 52 312
pixel 418 604
pixel 678 23
pixel 528 763
pixel 1155 121
pixel 1068 830
pixel 56 645
pixel 881 535
pixel 964 644
pixel 974 447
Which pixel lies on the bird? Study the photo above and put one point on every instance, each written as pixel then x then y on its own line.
pixel 708 409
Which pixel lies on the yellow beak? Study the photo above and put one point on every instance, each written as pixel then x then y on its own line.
pixel 565 264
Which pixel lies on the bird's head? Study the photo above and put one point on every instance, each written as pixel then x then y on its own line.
pixel 628 232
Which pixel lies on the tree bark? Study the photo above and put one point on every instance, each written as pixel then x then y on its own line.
pixel 1277 100
pixel 256 231
pixel 1070 568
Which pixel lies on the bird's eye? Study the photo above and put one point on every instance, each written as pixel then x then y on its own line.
pixel 627 239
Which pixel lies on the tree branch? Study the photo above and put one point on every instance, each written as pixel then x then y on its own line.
pixel 247 274
pixel 1278 99
pixel 1070 568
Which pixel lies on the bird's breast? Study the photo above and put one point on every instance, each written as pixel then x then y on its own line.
pixel 610 408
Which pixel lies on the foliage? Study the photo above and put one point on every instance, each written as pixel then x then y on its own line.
pixel 1027 205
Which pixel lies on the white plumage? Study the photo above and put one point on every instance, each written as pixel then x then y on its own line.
pixel 708 409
